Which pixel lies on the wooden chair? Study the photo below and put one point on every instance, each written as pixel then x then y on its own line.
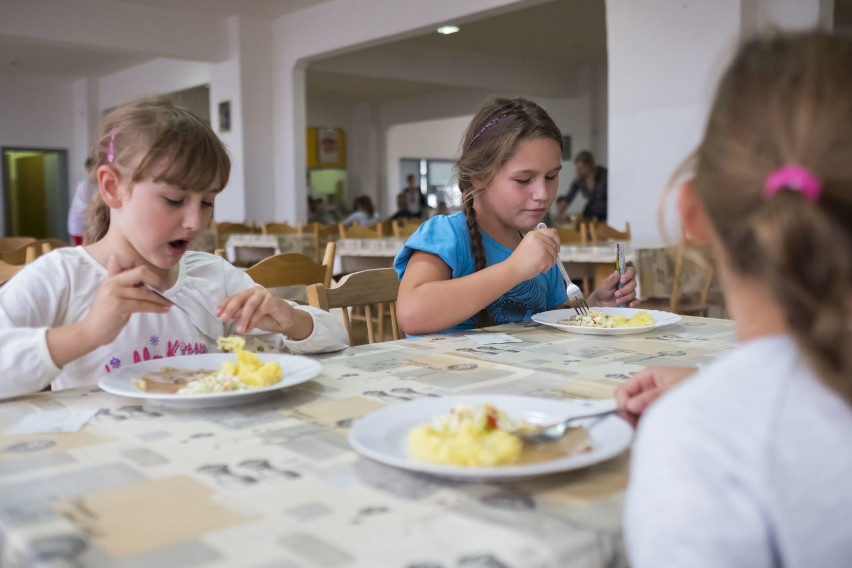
pixel 323 234
pixel 8 244
pixel 223 229
pixel 367 288
pixel 22 255
pixel 570 236
pixel 602 232
pixel 280 229
pixel 293 269
pixel 360 231
pixel 404 228
pixel 48 245
pixel 691 281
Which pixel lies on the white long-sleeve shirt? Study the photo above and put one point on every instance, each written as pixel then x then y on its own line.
pixel 748 463
pixel 58 289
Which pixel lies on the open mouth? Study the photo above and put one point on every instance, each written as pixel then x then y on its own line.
pixel 179 246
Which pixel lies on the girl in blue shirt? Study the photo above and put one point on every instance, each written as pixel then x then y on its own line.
pixel 487 264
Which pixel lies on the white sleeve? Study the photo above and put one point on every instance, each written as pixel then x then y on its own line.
pixel 28 305
pixel 328 334
pixel 690 501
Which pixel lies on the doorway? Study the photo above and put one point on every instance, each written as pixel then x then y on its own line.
pixel 35 193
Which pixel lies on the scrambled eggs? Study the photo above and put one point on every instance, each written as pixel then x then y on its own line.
pixel 248 372
pixel 471 435
pixel 597 318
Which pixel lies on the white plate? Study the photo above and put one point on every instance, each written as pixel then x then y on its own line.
pixel 122 382
pixel 383 435
pixel 552 318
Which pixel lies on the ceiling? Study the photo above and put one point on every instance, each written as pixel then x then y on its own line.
pixel 548 36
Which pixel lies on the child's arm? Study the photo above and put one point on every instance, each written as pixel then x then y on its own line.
pixel 638 392
pixel 608 293
pixel 305 329
pixel 430 300
pixel 120 296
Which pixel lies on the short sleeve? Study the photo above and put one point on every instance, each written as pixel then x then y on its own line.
pixel 446 237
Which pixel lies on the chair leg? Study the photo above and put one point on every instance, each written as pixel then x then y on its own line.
pixel 368 313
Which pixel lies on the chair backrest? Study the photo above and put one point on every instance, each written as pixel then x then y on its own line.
pixel 293 269
pixel 280 229
pixel 603 232
pixel 404 228
pixel 48 245
pixel 323 234
pixel 357 231
pixel 569 236
pixel 223 229
pixel 22 255
pixel 8 244
pixel 693 275
pixel 365 288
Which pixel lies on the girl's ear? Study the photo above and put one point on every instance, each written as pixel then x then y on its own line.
pixel 696 225
pixel 108 185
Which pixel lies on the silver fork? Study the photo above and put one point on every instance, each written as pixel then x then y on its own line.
pixel 548 433
pixel 160 294
pixel 576 299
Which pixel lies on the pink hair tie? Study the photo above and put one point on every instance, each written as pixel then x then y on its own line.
pixel 795 178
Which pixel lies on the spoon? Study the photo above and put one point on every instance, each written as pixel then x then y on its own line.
pixel 549 433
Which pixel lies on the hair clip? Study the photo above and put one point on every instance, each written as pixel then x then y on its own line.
pixel 111 146
pixel 795 178
pixel 482 130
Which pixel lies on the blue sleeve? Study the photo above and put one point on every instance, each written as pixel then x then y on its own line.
pixel 446 237
pixel 556 291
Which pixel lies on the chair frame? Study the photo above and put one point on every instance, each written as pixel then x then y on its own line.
pixel 293 269
pixel 366 288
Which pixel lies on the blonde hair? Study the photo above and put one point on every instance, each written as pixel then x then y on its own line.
pixel 784 100
pixel 490 141
pixel 155 137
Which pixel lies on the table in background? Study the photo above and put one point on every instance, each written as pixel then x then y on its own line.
pixel 245 249
pixel 274 483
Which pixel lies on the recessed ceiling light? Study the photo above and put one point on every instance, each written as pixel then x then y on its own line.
pixel 447 30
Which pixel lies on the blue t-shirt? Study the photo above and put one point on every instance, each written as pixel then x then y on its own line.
pixel 446 236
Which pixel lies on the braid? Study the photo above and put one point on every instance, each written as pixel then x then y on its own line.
pixel 482 317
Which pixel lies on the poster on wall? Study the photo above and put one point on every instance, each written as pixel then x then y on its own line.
pixel 326 148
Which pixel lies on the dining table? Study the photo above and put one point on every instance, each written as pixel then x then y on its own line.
pixel 245 249
pixel 120 481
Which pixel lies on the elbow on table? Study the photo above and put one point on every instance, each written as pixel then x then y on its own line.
pixel 413 321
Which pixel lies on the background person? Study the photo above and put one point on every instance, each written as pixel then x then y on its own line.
pixel 591 183
pixel 77 216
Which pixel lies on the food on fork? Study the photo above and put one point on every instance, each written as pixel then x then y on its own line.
pixel 597 318
pixel 471 435
pixel 248 372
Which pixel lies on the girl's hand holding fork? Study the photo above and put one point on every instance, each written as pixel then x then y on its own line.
pixel 609 295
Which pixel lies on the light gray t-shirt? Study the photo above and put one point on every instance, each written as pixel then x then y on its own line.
pixel 748 463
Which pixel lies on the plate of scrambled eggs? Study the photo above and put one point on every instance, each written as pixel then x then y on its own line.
pixel 607 321
pixel 216 379
pixel 468 437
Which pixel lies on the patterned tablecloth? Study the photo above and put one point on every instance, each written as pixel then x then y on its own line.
pixel 274 483
pixel 245 249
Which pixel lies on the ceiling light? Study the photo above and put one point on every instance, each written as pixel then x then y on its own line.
pixel 447 30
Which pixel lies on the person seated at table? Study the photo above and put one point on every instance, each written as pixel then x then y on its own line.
pixel 363 212
pixel 77 313
pixel 488 264
pixel 746 462
pixel 402 211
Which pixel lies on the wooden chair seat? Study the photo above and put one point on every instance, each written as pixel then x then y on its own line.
pixel 377 287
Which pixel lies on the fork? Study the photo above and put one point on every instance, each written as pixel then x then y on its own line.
pixel 548 433
pixel 160 294
pixel 576 299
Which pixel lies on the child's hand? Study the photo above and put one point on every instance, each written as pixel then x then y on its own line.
pixel 119 296
pixel 258 308
pixel 608 294
pixel 536 253
pixel 639 391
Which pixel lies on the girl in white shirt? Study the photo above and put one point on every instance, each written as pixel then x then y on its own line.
pixel 77 313
pixel 748 461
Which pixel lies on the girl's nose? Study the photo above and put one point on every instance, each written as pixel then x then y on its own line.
pixel 192 218
pixel 539 189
